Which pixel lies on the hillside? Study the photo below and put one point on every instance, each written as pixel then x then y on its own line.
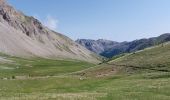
pixel 153 59
pixel 25 36
pixel 109 49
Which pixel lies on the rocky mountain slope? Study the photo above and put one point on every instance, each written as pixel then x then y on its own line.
pixel 111 48
pixel 97 46
pixel 25 36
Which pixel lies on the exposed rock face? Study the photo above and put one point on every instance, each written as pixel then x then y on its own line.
pixel 2 2
pixel 25 36
pixel 111 48
pixel 97 46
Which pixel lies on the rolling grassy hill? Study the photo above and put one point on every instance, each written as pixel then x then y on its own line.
pixel 143 75
pixel 152 59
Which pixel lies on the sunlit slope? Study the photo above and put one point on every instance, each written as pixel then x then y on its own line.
pixel 24 36
pixel 154 59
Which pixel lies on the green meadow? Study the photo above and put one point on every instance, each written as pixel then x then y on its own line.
pixel 143 75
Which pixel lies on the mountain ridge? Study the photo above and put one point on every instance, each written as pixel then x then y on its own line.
pixel 116 48
pixel 25 36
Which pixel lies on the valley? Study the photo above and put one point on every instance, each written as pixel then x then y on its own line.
pixel 46 79
pixel 38 63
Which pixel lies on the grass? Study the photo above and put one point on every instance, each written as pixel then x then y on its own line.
pixel 155 58
pixel 135 76
pixel 134 87
pixel 40 67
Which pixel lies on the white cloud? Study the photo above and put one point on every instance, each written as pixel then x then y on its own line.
pixel 37 17
pixel 51 22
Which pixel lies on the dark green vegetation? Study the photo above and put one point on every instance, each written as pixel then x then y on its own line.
pixel 143 75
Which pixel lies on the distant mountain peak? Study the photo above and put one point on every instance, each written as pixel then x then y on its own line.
pixel 109 48
pixel 97 46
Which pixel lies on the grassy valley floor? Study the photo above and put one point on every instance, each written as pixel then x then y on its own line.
pixel 120 79
pixel 152 86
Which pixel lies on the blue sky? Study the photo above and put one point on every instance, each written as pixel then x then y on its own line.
pixel 118 20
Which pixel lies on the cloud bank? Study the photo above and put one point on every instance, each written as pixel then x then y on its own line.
pixel 51 22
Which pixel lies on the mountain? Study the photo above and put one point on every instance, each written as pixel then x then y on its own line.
pixel 25 36
pixel 111 48
pixel 97 46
